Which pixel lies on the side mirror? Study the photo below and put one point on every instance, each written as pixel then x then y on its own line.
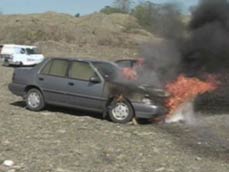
pixel 94 79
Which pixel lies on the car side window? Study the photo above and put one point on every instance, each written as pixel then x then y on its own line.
pixel 124 64
pixel 22 51
pixel 59 68
pixel 56 68
pixel 46 68
pixel 81 71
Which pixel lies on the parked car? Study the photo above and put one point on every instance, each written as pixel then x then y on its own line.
pixel 88 85
pixel 20 55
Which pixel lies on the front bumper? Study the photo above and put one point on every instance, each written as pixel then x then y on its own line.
pixel 148 111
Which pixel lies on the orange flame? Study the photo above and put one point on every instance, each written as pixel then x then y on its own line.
pixel 129 74
pixel 186 89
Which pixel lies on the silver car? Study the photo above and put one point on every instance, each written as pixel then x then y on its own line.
pixel 88 85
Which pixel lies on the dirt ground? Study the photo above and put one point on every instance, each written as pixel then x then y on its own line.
pixel 66 140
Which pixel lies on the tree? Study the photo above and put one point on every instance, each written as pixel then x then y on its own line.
pixel 124 5
pixel 118 6
pixel 169 21
pixel 110 10
pixel 144 12
pixel 77 15
pixel 164 20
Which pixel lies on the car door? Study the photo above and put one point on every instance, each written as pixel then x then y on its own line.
pixel 85 87
pixel 53 81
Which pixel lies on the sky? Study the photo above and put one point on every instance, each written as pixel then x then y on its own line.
pixel 67 6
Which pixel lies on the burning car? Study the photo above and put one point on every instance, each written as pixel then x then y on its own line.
pixel 89 85
pixel 181 91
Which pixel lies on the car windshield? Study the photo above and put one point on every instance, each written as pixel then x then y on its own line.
pixel 32 51
pixel 107 70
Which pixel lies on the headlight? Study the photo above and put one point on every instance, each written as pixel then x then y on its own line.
pixel 147 101
pixel 161 93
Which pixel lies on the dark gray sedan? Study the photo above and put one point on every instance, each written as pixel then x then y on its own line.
pixel 88 85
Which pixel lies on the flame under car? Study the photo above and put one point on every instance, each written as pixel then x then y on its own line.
pixel 88 85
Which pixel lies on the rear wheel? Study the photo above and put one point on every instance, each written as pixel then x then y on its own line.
pixel 5 63
pixel 34 100
pixel 120 111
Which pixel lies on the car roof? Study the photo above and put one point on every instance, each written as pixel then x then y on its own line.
pixel 90 60
pixel 17 46
pixel 119 60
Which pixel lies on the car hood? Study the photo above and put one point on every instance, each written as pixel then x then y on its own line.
pixel 129 89
pixel 37 56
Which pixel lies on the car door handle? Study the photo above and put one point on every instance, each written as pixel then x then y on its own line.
pixel 41 79
pixel 71 83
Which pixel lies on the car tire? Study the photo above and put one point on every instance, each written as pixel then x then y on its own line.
pixel 34 100
pixel 120 111
pixel 5 63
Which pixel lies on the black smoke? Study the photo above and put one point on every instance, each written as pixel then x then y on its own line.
pixel 161 62
pixel 203 49
pixel 206 50
pixel 162 55
pixel 207 47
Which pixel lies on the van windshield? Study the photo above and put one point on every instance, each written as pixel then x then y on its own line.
pixel 32 51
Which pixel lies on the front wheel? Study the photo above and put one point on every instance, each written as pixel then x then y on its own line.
pixel 20 64
pixel 120 111
pixel 34 100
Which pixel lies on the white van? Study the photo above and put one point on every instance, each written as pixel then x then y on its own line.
pixel 22 55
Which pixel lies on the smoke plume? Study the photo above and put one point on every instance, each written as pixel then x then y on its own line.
pixel 202 49
pixel 206 48
pixel 162 62
pixel 163 56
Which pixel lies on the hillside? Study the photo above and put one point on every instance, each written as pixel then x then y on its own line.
pixel 58 34
pixel 60 139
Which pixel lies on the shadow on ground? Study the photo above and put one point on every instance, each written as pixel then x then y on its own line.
pixel 67 111
pixel 77 112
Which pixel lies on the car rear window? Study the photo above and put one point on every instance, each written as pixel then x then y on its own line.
pixel 56 68
pixel 59 68
pixel 81 71
pixel 46 69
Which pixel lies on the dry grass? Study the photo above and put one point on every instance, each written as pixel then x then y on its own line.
pixel 68 140
pixel 97 35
